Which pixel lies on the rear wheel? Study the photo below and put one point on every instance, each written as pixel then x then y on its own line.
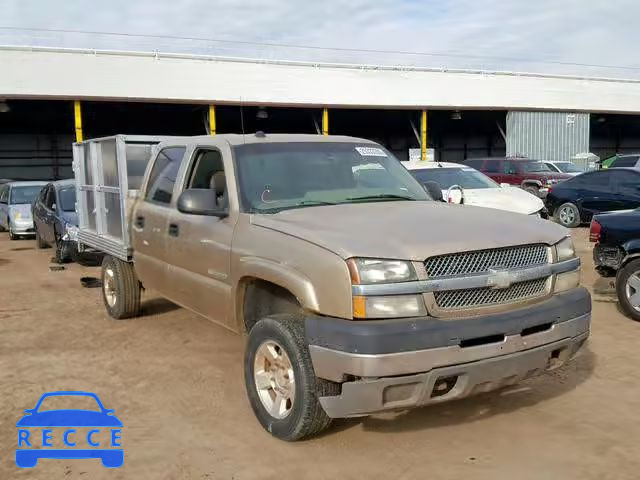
pixel 120 288
pixel 568 215
pixel 628 289
pixel 281 384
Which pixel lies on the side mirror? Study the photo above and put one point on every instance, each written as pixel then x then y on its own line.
pixel 29 410
pixel 434 190
pixel 200 201
pixel 505 185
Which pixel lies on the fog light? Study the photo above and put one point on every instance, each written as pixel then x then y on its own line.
pixel 567 281
pixel 395 306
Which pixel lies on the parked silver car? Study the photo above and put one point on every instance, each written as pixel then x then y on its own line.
pixel 15 207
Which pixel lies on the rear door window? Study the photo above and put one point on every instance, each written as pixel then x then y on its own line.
pixel 163 175
pixel 625 162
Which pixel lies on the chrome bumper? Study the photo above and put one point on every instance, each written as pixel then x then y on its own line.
pixel 415 378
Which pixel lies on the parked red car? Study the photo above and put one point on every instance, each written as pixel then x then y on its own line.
pixel 531 175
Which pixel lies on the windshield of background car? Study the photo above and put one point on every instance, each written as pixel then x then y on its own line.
pixel 533 167
pixel 568 167
pixel 467 178
pixel 67 198
pixel 26 194
pixel 279 176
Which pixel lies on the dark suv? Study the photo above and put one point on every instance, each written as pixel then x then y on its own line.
pixel 531 175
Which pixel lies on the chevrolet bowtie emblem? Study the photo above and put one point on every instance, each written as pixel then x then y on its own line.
pixel 499 279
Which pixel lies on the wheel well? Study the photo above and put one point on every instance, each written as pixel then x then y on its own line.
pixel 531 183
pixel 262 298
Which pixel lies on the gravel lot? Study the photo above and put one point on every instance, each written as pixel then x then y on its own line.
pixel 175 380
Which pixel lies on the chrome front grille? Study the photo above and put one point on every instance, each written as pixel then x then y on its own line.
pixel 486 296
pixel 480 261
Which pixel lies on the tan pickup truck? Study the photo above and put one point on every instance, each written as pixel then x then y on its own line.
pixel 358 293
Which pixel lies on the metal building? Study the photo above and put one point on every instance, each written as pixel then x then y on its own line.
pixel 556 136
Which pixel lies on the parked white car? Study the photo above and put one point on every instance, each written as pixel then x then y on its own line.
pixel 15 207
pixel 463 184
pixel 569 168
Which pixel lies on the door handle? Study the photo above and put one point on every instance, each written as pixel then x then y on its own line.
pixel 139 221
pixel 174 230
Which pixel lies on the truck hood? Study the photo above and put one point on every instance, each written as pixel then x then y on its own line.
pixel 70 217
pixel 409 230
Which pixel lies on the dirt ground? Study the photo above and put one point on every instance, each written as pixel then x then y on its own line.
pixel 175 381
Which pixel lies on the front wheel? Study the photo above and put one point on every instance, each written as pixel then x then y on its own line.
pixel 568 215
pixel 120 288
pixel 40 243
pixel 535 191
pixel 628 289
pixel 281 384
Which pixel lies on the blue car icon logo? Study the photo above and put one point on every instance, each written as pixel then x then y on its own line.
pixel 103 430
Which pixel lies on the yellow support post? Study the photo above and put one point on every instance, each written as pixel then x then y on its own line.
pixel 77 110
pixel 325 121
pixel 212 119
pixel 423 136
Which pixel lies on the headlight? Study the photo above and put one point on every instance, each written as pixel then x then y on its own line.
pixel 71 232
pixel 17 216
pixel 565 250
pixel 365 271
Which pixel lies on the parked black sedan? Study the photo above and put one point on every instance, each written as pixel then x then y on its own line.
pixel 617 252
pixel 55 219
pixel 576 200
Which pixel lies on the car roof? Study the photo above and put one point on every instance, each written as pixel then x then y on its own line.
pixel 236 139
pixel 420 165
pixel 27 184
pixel 64 183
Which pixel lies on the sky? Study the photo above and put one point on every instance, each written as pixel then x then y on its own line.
pixel 548 36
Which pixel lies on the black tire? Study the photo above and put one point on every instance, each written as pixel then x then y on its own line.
pixel 624 274
pixel 40 243
pixel 63 252
pixel 12 236
pixel 306 416
pixel 568 215
pixel 535 191
pixel 119 278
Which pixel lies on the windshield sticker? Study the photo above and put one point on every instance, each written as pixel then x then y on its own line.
pixel 371 152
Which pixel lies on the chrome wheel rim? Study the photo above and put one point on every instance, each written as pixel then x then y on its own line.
pixel 274 379
pixel 567 215
pixel 109 287
pixel 632 290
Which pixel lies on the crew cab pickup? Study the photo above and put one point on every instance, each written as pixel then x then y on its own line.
pixel 355 297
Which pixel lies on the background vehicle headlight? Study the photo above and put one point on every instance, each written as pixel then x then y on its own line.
pixel 71 232
pixel 565 249
pixel 366 271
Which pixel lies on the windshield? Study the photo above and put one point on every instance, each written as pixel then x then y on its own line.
pixel 26 194
pixel 67 198
pixel 66 402
pixel 568 167
pixel 278 176
pixel 467 178
pixel 533 166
